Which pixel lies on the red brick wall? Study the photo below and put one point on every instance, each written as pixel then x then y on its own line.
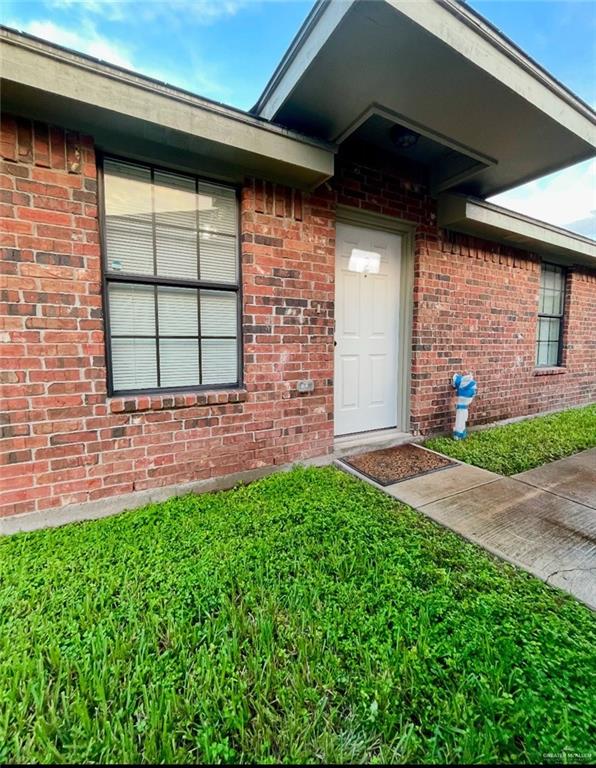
pixel 475 308
pixel 64 441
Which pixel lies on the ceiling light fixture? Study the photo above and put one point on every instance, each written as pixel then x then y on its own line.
pixel 404 138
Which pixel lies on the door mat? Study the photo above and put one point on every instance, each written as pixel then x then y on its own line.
pixel 392 465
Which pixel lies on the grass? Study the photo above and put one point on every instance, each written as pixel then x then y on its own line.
pixel 526 444
pixel 304 618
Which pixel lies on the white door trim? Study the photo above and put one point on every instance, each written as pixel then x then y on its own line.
pixel 370 220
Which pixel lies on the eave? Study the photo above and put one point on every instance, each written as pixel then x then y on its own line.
pixel 127 113
pixel 438 68
pixel 488 221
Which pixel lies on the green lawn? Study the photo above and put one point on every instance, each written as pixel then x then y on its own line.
pixel 525 444
pixel 306 617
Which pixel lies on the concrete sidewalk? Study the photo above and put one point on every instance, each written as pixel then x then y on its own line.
pixel 543 520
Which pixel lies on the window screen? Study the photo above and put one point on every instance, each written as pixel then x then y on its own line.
pixel 550 315
pixel 171 269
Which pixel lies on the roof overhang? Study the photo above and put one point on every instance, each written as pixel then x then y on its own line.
pixel 440 69
pixel 134 115
pixel 491 222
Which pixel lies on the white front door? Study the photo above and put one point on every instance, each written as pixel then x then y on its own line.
pixel 366 319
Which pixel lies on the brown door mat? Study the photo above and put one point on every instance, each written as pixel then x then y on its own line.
pixel 392 465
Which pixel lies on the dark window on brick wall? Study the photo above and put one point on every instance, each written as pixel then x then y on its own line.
pixel 551 310
pixel 172 286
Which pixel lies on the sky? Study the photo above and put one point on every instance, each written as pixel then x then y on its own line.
pixel 227 49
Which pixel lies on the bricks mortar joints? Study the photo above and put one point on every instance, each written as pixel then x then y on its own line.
pixel 66 442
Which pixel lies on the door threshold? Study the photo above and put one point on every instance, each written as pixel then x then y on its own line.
pixel 364 441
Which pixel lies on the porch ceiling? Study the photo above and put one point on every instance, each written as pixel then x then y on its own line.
pixel 439 69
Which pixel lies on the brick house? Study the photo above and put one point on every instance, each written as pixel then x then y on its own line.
pixel 193 295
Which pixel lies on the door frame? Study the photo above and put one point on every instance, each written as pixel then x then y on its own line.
pixel 405 229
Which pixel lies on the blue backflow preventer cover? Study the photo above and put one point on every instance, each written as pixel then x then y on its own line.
pixel 465 388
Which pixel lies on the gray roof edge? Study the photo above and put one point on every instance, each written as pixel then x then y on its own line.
pixel 489 221
pixel 467 16
pixel 291 52
pixel 499 39
pixel 98 66
pixel 529 220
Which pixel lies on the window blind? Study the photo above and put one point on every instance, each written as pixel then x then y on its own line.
pixel 550 315
pixel 171 271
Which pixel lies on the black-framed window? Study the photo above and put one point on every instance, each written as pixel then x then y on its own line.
pixel 172 279
pixel 551 311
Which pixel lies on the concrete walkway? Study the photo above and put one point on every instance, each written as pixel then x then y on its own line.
pixel 543 520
